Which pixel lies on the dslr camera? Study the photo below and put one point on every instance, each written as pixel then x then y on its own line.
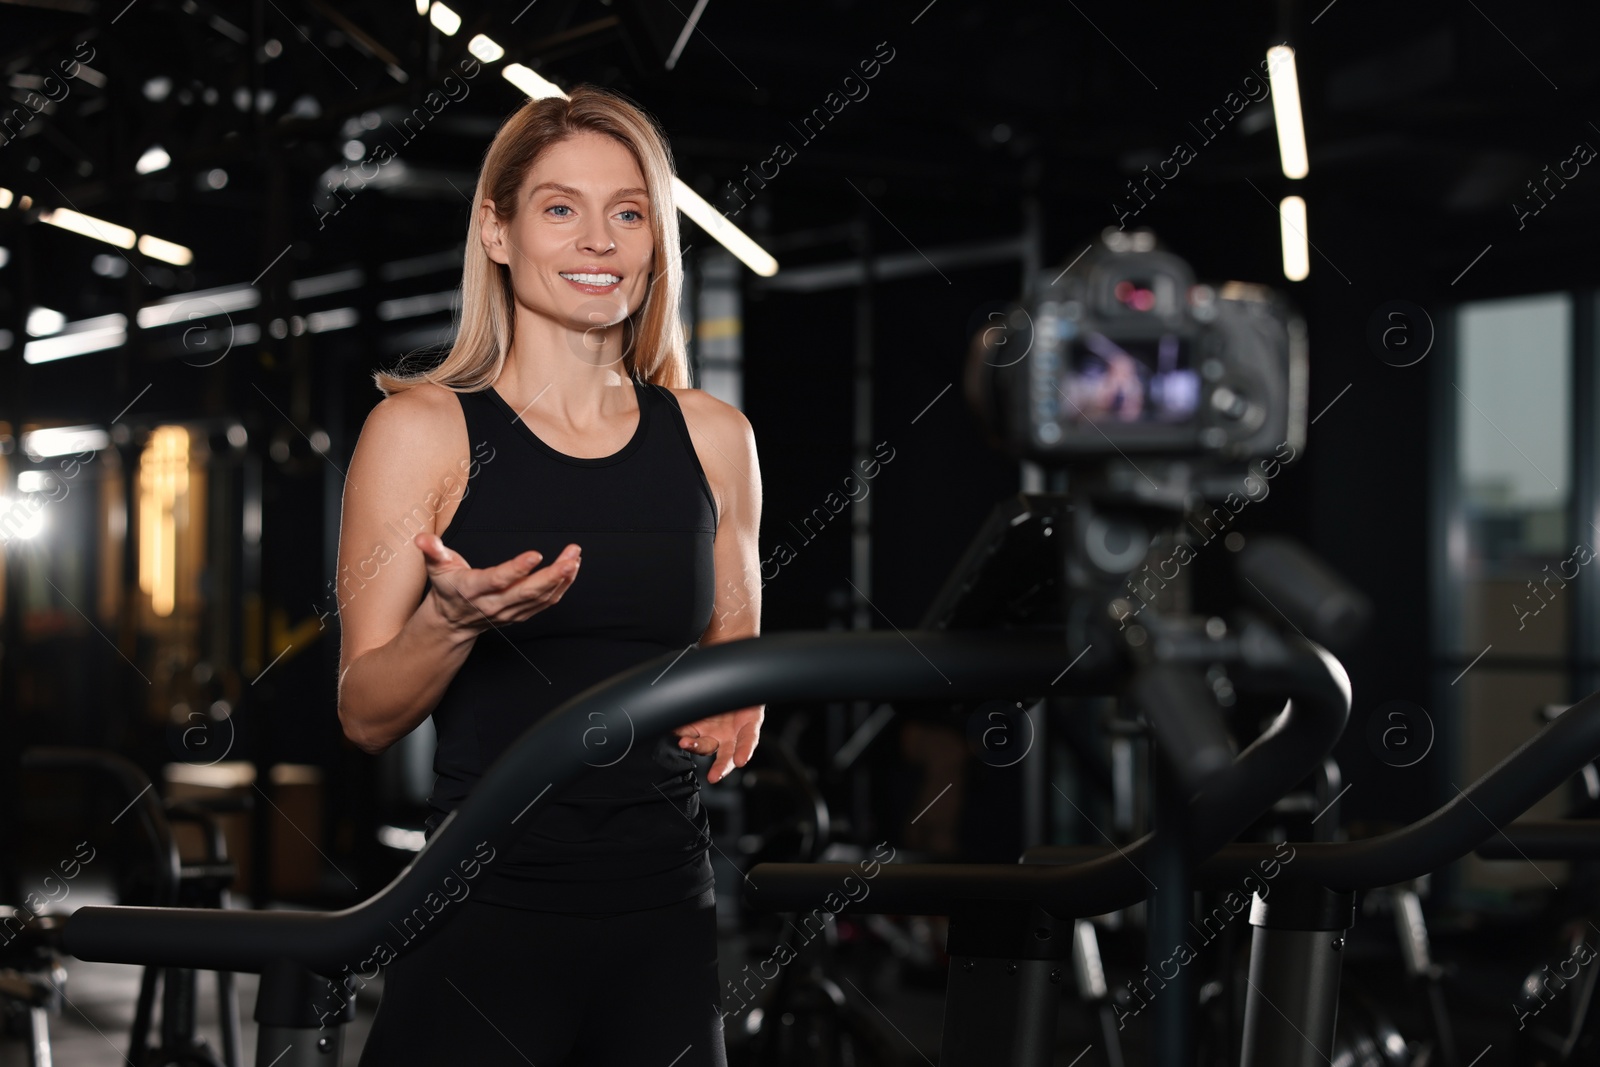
pixel 1125 355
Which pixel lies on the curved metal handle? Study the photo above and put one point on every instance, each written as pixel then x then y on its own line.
pixel 1288 750
pixel 1561 839
pixel 1472 817
pixel 653 698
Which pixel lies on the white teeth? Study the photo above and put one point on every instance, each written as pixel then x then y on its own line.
pixel 592 279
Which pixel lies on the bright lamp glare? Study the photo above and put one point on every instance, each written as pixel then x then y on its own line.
pixel 727 234
pixel 485 48
pixel 526 79
pixel 43 321
pixel 155 158
pixel 89 226
pixel 19 521
pixel 1296 246
pixel 77 338
pixel 201 303
pixel 445 19
pixel 403 839
pixel 422 7
pixel 1286 111
pixel 166 251
pixel 61 440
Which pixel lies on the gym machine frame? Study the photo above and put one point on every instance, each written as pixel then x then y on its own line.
pixel 1001 998
pixel 1011 936
pixel 304 957
pixel 1298 933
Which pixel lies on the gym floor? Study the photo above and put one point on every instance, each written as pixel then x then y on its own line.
pixel 93 1026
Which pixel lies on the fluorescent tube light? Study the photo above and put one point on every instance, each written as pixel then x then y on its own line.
pixel 1296 246
pixel 166 251
pixel 89 226
pixel 445 19
pixel 1286 110
pixel 485 48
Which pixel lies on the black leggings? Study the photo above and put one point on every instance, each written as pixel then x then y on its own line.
pixel 499 985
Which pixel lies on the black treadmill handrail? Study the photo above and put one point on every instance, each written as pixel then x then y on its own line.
pixel 655 697
pixel 1471 818
pixel 1544 839
pixel 1289 749
pixel 1529 773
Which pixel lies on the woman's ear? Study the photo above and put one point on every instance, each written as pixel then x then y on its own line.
pixel 492 233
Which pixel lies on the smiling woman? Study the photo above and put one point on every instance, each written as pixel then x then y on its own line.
pixel 605 129
pixel 595 936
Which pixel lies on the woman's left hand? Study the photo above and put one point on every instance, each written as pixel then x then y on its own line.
pixel 728 738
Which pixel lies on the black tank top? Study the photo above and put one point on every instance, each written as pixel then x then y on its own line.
pixel 630 831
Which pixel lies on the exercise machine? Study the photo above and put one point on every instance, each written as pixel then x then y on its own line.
pixel 1002 999
pixel 153 868
pixel 312 964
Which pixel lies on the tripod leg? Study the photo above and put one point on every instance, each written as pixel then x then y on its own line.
pixel 1167 911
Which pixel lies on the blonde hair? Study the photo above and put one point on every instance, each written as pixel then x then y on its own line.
pixel 484 326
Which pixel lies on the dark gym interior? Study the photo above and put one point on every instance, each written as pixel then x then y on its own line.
pixel 1312 586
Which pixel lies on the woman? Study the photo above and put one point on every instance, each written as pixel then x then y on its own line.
pixel 563 400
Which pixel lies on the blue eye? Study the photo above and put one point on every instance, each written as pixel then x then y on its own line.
pixel 559 207
pixel 629 211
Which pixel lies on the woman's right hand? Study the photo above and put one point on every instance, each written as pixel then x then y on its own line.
pixel 471 601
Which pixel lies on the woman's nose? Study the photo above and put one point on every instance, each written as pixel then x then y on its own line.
pixel 596 239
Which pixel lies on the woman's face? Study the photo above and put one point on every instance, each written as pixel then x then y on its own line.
pixel 580 247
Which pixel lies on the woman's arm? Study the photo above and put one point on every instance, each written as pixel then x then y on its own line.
pixel 726 445
pixel 398 655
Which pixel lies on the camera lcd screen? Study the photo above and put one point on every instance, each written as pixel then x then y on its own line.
pixel 1150 381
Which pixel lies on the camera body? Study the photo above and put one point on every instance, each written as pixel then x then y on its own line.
pixel 1125 355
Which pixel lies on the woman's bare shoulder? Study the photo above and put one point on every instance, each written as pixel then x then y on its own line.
pixel 427 401
pixel 425 409
pixel 420 429
pixel 720 419
pixel 725 445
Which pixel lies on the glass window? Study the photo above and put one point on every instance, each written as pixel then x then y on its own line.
pixel 1512 560
pixel 1514 475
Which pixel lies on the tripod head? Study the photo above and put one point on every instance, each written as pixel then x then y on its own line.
pixel 1162 408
